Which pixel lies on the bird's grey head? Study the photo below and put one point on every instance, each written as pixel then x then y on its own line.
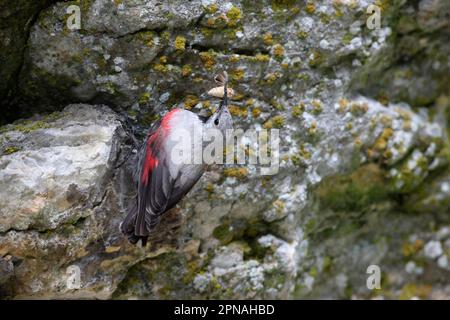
pixel 221 119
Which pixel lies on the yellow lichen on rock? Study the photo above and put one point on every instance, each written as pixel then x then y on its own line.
pixel 180 43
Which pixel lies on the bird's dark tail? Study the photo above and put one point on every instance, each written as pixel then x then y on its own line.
pixel 128 226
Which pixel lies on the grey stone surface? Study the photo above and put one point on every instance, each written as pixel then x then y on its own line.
pixel 16 20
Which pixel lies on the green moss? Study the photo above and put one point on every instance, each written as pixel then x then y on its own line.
pixel 327 264
pixel 77 58
pixel 234 15
pixel 312 130
pixel 212 8
pixel 278 121
pixel 338 12
pixel 298 110
pixel 237 74
pixel 271 77
pixel 10 150
pixel 304 153
pixel 411 290
pixel 411 249
pixel 230 231
pixel 249 102
pixel 278 51
pixel 223 233
pixel 355 191
pixel 230 33
pixel 317 107
pixel 206 104
pixel 316 58
pixel 256 228
pixel 268 124
pixel 382 141
pixel 132 113
pixel 192 269
pixel 234 58
pixel 278 5
pixel 274 279
pixel 190 101
pixel 348 292
pixel 324 18
pixel 256 112
pixel 145 98
pixel 301 157
pixel 268 39
pixel 111 87
pixel 186 70
pixel 296 160
pixel 294 11
pixel 246 234
pixel 101 62
pixel 274 122
pixel 383 4
pixel 149 118
pixel 207 32
pixel 239 173
pixel 310 7
pixel 347 38
pixel 310 226
pixel 216 286
pixel 27 127
pixel 313 272
pixel 261 57
pixel 359 108
pixel 210 188
pixel 238 111
pixel 159 67
pixel 85 5
pixel 407 180
pixel 208 59
pixel 302 34
pixel 165 36
pixel 303 76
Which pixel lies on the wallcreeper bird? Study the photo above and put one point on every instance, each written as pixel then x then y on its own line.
pixel 162 181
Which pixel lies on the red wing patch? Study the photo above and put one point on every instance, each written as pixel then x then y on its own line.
pixel 154 144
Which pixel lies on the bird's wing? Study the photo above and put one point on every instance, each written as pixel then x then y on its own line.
pixel 187 178
pixel 154 181
pixel 161 185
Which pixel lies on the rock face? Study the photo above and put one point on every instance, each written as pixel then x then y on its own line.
pixel 15 24
pixel 364 156
pixel 43 160
pixel 54 175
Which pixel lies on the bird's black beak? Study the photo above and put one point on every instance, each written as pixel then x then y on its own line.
pixel 223 78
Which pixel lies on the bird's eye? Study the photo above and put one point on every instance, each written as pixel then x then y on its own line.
pixel 216 122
